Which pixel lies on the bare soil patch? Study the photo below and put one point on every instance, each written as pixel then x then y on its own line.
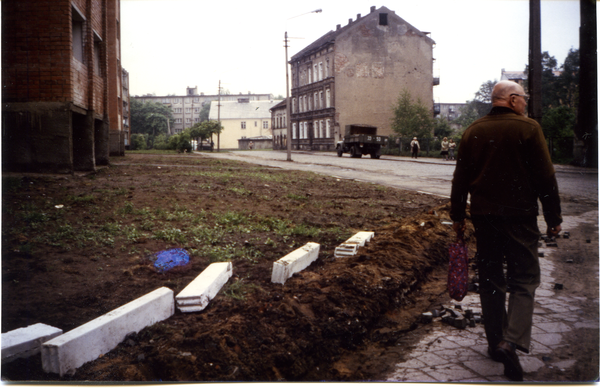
pixel 77 247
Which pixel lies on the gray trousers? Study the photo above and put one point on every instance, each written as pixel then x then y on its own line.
pixel 514 241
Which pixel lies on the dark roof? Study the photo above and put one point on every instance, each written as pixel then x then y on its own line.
pixel 332 35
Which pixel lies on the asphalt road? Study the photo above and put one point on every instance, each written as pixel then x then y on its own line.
pixel 429 175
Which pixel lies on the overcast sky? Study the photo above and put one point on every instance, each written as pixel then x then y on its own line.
pixel 168 45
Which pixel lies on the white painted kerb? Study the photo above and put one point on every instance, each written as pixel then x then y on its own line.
pixel 26 341
pixel 206 286
pixel 294 262
pixel 85 343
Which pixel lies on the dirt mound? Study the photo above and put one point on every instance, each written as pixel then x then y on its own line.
pixel 294 332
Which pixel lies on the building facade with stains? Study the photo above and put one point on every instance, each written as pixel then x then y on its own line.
pixel 355 74
pixel 62 103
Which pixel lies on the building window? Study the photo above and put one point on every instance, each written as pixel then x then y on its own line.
pixel 327 98
pixel 256 124
pixel 243 125
pixel 327 69
pixel 328 128
pixel 315 73
pixel 294 134
pixel 294 105
pixel 265 125
pixel 321 102
pixel 316 129
pixel 196 120
pixel 77 24
pixel 177 110
pixel 383 19
pixel 196 99
pixel 177 121
pixel 196 110
pixel 166 100
pixel 320 71
pixel 322 128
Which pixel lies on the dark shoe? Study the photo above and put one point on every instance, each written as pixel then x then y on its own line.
pixel 493 355
pixel 508 356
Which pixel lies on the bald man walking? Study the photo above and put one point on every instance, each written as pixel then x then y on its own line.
pixel 504 164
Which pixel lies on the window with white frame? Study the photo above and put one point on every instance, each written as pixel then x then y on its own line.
pixel 321 102
pixel 327 68
pixel 294 105
pixel 294 130
pixel 265 125
pixel 77 28
pixel 243 125
pixel 328 98
pixel 315 72
pixel 178 121
pixel 309 76
pixel 196 99
pixel 166 100
pixel 322 128
pixel 316 129
pixel 320 71
pixel 316 103
pixel 176 101
pixel 196 110
pixel 188 120
pixel 188 110
pixel 197 119
pixel 328 128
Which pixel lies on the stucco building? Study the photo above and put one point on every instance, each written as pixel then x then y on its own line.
pixel 355 74
pixel 62 106
pixel 279 125
pixel 186 108
pixel 242 119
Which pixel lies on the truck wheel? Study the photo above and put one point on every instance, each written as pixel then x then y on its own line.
pixel 354 152
pixel 375 155
pixel 340 152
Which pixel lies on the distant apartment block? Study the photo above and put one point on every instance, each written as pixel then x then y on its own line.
pixel 187 108
pixel 62 103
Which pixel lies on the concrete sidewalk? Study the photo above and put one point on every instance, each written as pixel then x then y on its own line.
pixel 448 354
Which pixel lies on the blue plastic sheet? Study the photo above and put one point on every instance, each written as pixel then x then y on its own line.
pixel 165 260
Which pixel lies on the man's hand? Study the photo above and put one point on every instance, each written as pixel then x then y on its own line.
pixel 554 231
pixel 459 227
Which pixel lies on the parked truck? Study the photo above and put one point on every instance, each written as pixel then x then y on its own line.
pixel 361 140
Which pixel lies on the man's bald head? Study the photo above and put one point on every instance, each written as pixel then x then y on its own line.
pixel 505 93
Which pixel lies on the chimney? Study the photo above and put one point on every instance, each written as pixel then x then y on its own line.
pixel 350 21
pixel 338 26
pixel 357 16
pixel 373 9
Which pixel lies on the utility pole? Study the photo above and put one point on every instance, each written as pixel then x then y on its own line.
pixel 535 61
pixel 288 103
pixel 219 118
pixel 586 128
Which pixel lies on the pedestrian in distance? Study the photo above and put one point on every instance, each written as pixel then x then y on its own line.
pixel 451 148
pixel 504 164
pixel 414 146
pixel 445 147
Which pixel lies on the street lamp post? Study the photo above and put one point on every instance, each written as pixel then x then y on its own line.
pixel 288 103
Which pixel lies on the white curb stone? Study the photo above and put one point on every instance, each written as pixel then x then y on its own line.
pixel 206 286
pixel 26 341
pixel 295 261
pixel 350 246
pixel 87 342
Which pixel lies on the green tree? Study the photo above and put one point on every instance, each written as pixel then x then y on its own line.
pixel 139 141
pixel 483 98
pixel 442 128
pixel 412 118
pixel 205 130
pixel 468 114
pixel 205 111
pixel 559 121
pixel 150 118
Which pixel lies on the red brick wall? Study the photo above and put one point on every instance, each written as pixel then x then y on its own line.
pixel 36 50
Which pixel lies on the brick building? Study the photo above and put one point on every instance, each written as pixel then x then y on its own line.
pixel 355 74
pixel 62 106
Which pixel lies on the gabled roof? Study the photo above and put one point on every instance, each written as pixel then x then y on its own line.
pixel 232 110
pixel 332 35
pixel 281 104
